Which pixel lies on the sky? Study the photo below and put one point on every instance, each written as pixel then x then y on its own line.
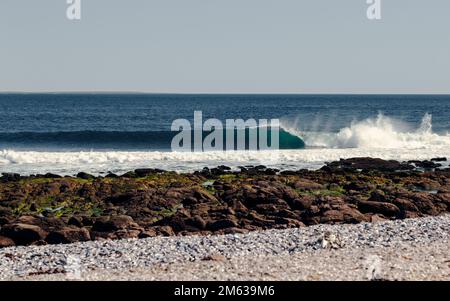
pixel 225 46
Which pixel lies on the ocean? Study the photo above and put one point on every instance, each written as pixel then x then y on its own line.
pixel 99 133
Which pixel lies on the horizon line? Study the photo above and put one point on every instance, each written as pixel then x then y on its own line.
pixel 227 93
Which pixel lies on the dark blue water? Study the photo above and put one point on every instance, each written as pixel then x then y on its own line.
pixel 142 121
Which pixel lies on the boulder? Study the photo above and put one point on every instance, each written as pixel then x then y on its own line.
pixel 405 205
pixel 114 223
pixel 10 177
pixel 290 222
pixel 68 235
pixel 222 224
pixel 75 221
pixel 377 196
pixel 144 172
pixel 51 176
pixel 23 234
pixel 386 209
pixel 352 215
pixel 197 222
pixel 439 159
pixel 301 203
pixel 85 176
pixel 6 242
pixel 164 230
pixel 367 163
pixel 234 231
pixel 332 216
pixel 305 184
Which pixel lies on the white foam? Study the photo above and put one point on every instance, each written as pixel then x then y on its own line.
pixel 380 132
pixel 28 162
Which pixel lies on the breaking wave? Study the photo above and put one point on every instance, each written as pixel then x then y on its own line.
pixel 380 132
pixel 380 137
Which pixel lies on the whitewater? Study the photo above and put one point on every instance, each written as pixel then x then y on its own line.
pixel 379 137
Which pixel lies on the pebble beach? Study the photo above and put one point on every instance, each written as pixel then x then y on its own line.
pixel 410 249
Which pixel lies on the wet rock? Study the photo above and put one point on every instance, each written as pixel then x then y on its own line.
pixel 425 164
pixel 85 176
pixel 144 172
pixel 439 159
pixel 52 176
pixel 10 177
pixel 367 163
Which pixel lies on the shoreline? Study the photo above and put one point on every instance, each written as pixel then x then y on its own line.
pixel 99 163
pixel 50 209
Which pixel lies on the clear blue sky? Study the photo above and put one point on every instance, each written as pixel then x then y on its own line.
pixel 290 46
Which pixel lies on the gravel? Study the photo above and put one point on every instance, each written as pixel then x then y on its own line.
pixel 416 249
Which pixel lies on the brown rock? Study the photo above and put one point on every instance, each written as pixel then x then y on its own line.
pixel 68 235
pixel 289 222
pixel 165 230
pixel 6 242
pixel 352 215
pixel 198 222
pixel 332 216
pixel 75 221
pixel 125 233
pixel 301 203
pixel 235 231
pixel 305 184
pixel 376 218
pixel 114 223
pixel 378 196
pixel 386 209
pixel 222 224
pixel 27 219
pixel 148 233
pixel 405 205
pixel 23 234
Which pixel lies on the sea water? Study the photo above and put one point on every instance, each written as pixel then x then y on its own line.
pixel 97 133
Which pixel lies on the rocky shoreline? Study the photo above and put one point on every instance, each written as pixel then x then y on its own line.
pixel 50 209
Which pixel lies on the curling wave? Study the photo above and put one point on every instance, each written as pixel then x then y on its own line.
pixel 380 132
